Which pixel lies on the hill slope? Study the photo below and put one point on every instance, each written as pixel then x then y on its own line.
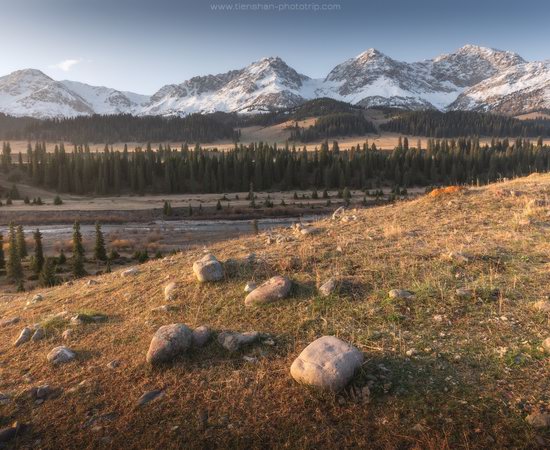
pixel 444 371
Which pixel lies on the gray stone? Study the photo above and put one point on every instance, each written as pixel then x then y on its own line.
pixel 24 336
pixel 92 282
pixel 39 334
pixel 168 342
pixel 274 289
pixel 233 341
pixel 400 294
pixel 61 355
pixel 328 287
pixel 113 364
pixel 36 299
pixel 208 268
pixel 8 322
pixel 201 335
pixel 338 213
pixel 149 396
pixel 132 271
pixel 328 363
pixel 170 291
pixel 43 392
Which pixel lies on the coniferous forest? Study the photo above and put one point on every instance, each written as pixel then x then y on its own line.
pixel 464 123
pixel 267 167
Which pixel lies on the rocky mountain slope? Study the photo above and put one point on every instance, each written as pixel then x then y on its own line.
pixel 472 77
pixel 454 358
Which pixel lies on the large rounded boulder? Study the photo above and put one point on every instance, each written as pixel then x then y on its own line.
pixel 168 342
pixel 208 268
pixel 274 289
pixel 327 363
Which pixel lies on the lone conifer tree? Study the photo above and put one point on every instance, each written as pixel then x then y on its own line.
pixel 78 252
pixel 38 260
pixel 99 250
pixel 14 268
pixel 21 244
pixel 47 275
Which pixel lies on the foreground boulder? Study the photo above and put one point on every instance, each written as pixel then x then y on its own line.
pixel 24 336
pixel 328 363
pixel 208 268
pixel 61 355
pixel 275 288
pixel 168 342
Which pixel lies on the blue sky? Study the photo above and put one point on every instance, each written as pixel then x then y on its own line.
pixel 140 45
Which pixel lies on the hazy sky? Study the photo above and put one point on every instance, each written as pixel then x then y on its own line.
pixel 141 45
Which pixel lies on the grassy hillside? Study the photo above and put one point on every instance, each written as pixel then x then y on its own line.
pixel 443 371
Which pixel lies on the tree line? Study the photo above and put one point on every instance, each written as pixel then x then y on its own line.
pixel 268 167
pixel 332 125
pixel 464 123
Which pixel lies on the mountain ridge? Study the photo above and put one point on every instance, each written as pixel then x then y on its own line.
pixel 472 77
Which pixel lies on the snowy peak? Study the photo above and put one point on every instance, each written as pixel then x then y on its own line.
pixel 471 77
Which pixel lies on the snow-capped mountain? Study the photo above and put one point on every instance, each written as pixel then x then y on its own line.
pixel 472 77
pixel 521 88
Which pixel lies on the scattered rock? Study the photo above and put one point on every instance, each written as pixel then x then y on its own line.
pixel 36 299
pixel 39 334
pixel 92 282
pixel 250 286
pixel 338 213
pixel 42 392
pixel 464 293
pixel 170 291
pixel 113 364
pixel 275 288
pixel 328 363
pixel 61 355
pixel 208 268
pixel 24 336
pixel 546 345
pixel 233 341
pixel 400 294
pixel 168 342
pixel 149 396
pixel 8 322
pixel 328 287
pixel 132 271
pixel 538 420
pixel 201 335
pixel 542 306
pixel 67 334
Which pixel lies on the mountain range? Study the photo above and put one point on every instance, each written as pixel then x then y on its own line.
pixel 471 78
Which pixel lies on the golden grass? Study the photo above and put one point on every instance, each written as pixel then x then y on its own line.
pixel 476 371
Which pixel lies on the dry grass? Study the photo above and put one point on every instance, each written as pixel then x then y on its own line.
pixel 476 370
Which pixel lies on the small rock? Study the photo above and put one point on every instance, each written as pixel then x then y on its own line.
pixel 251 359
pixel 39 334
pixel 309 231
pixel 43 392
pixel 201 335
pixel 538 420
pixel 275 288
pixel 464 293
pixel 168 342
pixel 8 322
pixel 36 299
pixel 328 287
pixel 92 282
pixel 400 294
pixel 328 363
pixel 149 396
pixel 233 341
pixel 546 345
pixel 132 271
pixel 338 213
pixel 61 355
pixel 24 336
pixel 170 291
pixel 113 364
pixel 250 286
pixel 208 268
pixel 67 334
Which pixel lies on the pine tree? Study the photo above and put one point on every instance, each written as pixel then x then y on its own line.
pixel 21 244
pixel 47 276
pixel 100 253
pixel 14 268
pixel 78 252
pixel 38 259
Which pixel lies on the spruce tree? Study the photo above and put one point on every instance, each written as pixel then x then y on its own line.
pixel 14 268
pixel 47 276
pixel 78 252
pixel 38 259
pixel 2 258
pixel 21 244
pixel 99 249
